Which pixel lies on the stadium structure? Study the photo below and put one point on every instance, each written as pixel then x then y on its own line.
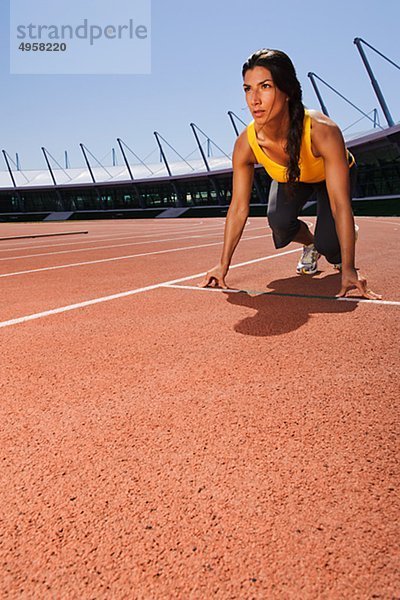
pixel 186 188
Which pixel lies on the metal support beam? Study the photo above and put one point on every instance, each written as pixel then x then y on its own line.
pixel 139 198
pixel 98 162
pixel 58 193
pixel 9 168
pixel 375 85
pixel 374 111
pixel 125 159
pixel 319 96
pixel 192 125
pixel 380 54
pixel 48 154
pixel 173 183
pixel 87 163
pixel 160 137
pixel 19 199
pixel 49 166
pixel 231 114
pixel 162 153
pixel 120 142
pixel 345 99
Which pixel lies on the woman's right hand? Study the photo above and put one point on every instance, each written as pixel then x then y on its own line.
pixel 215 277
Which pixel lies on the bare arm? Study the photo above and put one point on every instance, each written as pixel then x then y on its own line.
pixel 332 148
pixel 243 174
pixel 328 141
pixel 238 212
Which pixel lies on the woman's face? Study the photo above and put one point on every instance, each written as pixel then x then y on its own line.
pixel 264 99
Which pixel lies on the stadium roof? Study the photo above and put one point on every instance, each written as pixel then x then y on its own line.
pixel 26 179
pixel 115 175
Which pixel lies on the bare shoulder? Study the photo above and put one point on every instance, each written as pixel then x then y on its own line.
pixel 326 137
pixel 323 127
pixel 242 153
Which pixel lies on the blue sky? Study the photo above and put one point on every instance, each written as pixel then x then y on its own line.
pixel 197 52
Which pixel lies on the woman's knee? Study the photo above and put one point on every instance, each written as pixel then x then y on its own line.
pixel 283 229
pixel 281 221
pixel 330 248
pixel 283 212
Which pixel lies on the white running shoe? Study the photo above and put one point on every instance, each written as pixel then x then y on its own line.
pixel 308 263
pixel 338 266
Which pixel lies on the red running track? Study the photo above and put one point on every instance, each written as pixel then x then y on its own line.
pixel 164 441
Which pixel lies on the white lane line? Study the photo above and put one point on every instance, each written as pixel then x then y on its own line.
pixel 93 239
pixel 69 307
pixel 305 296
pixel 104 237
pixel 95 248
pixel 115 258
pixel 113 235
pixel 111 238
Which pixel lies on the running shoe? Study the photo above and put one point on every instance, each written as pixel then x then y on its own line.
pixel 338 266
pixel 308 263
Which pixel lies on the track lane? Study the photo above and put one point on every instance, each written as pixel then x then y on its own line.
pixel 247 443
pixel 173 245
pixel 50 289
pixel 110 244
pixel 110 234
pixel 35 292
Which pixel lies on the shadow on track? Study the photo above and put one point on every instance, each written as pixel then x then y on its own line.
pixel 289 304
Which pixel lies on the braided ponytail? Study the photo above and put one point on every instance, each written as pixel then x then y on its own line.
pixel 285 78
pixel 296 114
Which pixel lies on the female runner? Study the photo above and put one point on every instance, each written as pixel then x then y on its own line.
pixel 304 153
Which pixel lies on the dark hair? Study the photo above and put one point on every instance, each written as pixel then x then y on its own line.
pixel 285 78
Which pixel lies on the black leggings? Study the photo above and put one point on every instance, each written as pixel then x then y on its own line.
pixel 283 212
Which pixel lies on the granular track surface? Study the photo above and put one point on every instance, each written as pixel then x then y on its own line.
pixel 178 442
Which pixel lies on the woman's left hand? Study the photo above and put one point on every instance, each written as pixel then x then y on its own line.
pixel 352 279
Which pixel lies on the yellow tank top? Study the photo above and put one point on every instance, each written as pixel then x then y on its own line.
pixel 312 169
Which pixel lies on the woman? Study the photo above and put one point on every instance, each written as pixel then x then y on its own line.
pixel 304 153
